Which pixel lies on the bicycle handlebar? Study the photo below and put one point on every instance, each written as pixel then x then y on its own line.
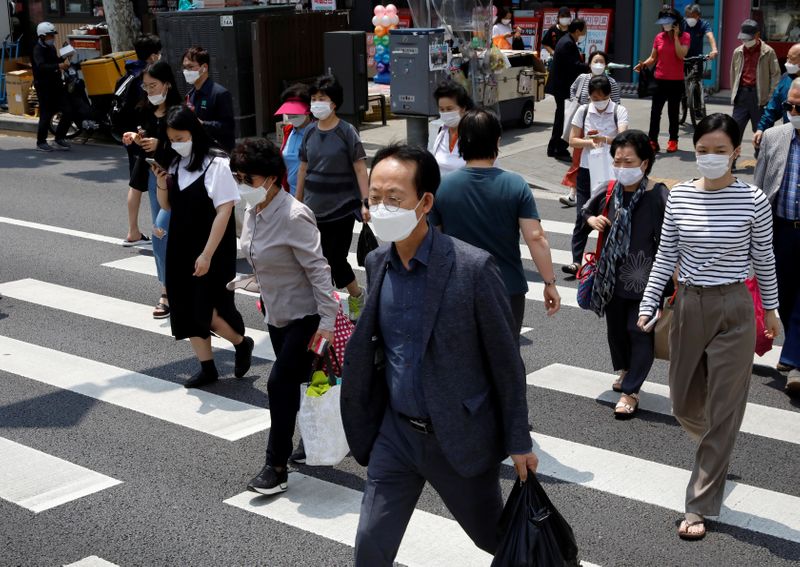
pixel 696 58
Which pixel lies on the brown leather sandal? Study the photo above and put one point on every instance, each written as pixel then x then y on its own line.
pixel 684 533
pixel 161 310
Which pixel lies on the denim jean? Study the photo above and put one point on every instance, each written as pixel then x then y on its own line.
pixel 160 220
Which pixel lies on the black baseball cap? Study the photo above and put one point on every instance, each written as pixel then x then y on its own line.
pixel 749 30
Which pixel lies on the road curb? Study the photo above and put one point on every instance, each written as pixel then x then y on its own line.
pixel 13 123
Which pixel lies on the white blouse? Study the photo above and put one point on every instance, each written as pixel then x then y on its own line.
pixel 448 161
pixel 219 182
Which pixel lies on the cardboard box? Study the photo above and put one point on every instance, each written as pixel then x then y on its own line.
pixel 18 83
pixel 16 64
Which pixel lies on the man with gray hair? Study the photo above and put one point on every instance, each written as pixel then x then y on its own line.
pixel 774 109
pixel 778 175
pixel 698 30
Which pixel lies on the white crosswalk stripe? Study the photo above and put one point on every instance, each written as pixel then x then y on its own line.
pixel 92 561
pixel 327 509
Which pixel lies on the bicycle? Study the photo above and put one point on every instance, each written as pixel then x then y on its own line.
pixel 693 101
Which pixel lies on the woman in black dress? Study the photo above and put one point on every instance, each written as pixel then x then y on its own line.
pixel 200 192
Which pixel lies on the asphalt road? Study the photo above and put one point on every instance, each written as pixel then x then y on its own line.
pixel 612 480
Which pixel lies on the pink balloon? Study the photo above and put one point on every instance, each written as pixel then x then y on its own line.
pixel 379 10
pixel 391 9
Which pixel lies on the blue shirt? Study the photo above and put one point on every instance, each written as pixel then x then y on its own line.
pixel 788 206
pixel 291 156
pixel 697 34
pixel 400 317
pixel 774 108
pixel 482 207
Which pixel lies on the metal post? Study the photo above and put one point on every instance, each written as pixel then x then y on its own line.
pixel 417 131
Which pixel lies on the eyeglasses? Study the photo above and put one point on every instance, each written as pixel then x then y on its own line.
pixel 789 107
pixel 392 204
pixel 244 178
pixel 152 87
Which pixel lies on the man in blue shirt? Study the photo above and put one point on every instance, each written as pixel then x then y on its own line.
pixel 774 108
pixel 212 103
pixel 698 30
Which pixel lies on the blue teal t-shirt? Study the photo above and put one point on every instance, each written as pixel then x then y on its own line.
pixel 291 156
pixel 482 206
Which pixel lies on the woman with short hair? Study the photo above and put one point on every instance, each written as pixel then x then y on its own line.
pixel 453 102
pixel 715 228
pixel 281 242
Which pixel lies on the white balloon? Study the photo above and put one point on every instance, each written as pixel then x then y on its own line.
pixel 376 20
pixel 395 20
pixel 386 20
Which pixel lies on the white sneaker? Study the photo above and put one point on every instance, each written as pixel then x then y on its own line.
pixel 567 200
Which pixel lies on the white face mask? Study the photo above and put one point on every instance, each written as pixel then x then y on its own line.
pixel 450 119
pixel 628 175
pixel 321 109
pixel 183 149
pixel 393 226
pixel 564 21
pixel 750 43
pixel 713 166
pixel 296 120
pixel 505 22
pixel 795 120
pixel 791 68
pixel 666 27
pixel 252 196
pixel 598 68
pixel 691 22
pixel 600 105
pixel 191 76
pixel 155 100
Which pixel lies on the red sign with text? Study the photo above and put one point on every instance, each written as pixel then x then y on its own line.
pixel 598 25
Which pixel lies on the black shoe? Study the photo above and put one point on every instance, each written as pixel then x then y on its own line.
pixel 201 379
pixel 571 269
pixel 563 156
pixel 269 481
pixel 244 357
pixel 299 455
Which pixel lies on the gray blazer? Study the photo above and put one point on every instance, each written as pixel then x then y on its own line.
pixel 772 159
pixel 472 374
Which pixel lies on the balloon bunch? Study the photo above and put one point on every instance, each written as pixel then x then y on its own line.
pixel 385 19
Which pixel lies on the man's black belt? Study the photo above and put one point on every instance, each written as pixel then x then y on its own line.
pixel 788 223
pixel 418 423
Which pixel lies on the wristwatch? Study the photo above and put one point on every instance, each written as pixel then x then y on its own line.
pixel 550 282
pixel 365 202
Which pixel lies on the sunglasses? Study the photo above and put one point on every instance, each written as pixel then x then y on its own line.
pixel 244 178
pixel 789 107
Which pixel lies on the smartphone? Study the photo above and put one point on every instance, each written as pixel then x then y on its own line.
pixel 652 322
pixel 152 161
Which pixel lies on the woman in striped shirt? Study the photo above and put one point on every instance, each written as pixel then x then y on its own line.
pixel 714 228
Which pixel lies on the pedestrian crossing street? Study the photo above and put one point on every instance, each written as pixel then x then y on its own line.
pixel 42 483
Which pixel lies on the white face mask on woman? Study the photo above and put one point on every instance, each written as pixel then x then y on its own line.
pixel 296 120
pixel 628 175
pixel 252 196
pixel 450 119
pixel 600 105
pixel 183 149
pixel 713 166
pixel 666 27
pixel 598 68
pixel 155 100
pixel 564 21
pixel 393 226
pixel 321 109
pixel 506 22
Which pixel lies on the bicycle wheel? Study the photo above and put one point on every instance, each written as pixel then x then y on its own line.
pixel 684 109
pixel 73 131
pixel 696 107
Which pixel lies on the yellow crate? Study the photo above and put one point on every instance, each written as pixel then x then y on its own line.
pixel 101 74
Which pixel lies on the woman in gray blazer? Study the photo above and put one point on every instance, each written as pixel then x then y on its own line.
pixel 281 242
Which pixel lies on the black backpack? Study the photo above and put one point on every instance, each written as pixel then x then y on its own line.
pixel 122 113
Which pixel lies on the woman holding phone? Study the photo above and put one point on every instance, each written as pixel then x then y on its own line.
pixel 158 94
pixel 715 227
pixel 199 191
pixel 282 243
pixel 670 47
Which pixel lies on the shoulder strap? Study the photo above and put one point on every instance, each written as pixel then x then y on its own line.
pixel 601 236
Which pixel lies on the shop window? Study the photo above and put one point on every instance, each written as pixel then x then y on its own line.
pixel 82 9
pixel 781 20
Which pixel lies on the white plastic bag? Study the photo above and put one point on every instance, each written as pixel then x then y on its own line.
pixel 320 420
pixel 600 167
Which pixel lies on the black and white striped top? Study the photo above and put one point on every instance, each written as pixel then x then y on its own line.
pixel 582 82
pixel 713 236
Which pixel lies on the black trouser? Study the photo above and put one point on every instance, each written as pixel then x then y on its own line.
pixel 336 237
pixel 582 230
pixel 631 348
pixel 669 92
pixel 746 109
pixel 517 310
pixel 291 368
pixel 787 250
pixel 557 145
pixel 49 105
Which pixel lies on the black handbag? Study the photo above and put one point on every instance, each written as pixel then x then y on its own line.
pixel 366 244
pixel 647 83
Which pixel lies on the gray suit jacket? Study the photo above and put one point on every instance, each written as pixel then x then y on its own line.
pixel 772 159
pixel 472 374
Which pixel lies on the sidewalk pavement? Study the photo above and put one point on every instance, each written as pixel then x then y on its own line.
pixel 524 151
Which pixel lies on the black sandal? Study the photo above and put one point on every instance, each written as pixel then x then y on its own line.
pixel 162 308
pixel 571 269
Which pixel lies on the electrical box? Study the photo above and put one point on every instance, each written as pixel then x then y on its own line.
pixel 346 58
pixel 420 60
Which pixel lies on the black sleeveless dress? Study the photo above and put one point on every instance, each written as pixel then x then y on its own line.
pixel 192 300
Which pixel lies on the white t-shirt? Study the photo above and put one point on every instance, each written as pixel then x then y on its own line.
pixel 448 161
pixel 500 29
pixel 603 122
pixel 219 182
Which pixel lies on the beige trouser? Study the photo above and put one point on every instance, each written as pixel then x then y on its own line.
pixel 712 340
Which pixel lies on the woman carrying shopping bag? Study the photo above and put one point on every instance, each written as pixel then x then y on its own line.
pixel 632 229
pixel 593 128
pixel 714 228
pixel 281 241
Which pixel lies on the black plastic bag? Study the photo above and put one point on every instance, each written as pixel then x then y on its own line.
pixel 647 83
pixel 532 532
pixel 366 244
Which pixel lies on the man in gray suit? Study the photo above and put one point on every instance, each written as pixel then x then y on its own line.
pixel 433 387
pixel 778 175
